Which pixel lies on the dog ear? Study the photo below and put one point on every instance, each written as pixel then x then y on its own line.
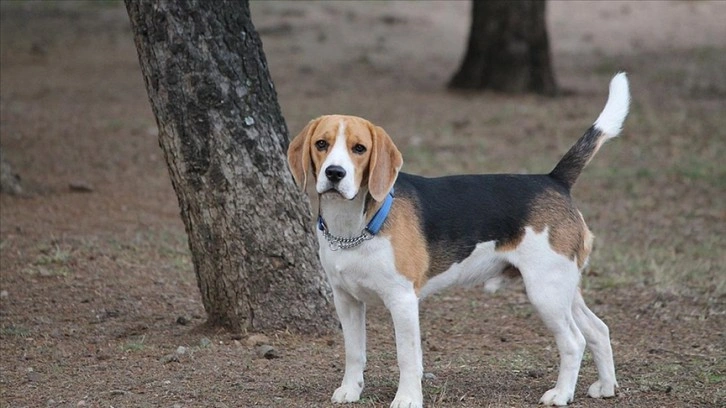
pixel 385 162
pixel 298 153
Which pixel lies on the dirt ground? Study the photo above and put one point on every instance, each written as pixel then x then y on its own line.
pixel 98 301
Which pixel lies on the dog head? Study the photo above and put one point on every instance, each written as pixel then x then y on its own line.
pixel 344 155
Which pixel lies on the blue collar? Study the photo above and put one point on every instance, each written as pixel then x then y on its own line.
pixel 379 218
pixel 375 224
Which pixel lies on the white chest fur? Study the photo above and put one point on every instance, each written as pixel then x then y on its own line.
pixel 366 272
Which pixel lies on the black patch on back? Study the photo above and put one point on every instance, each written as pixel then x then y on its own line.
pixel 458 212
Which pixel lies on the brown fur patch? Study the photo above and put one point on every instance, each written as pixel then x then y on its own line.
pixel 298 154
pixel 409 244
pixel 510 245
pixel 568 235
pixel 385 161
pixel 584 251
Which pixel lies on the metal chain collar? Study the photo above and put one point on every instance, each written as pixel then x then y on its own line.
pixel 337 243
pixel 368 232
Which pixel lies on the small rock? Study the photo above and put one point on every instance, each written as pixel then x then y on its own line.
pixel 181 350
pixel 101 356
pixel 80 186
pixel 32 375
pixel 429 376
pixel 169 358
pixel 4 294
pixel 535 373
pixel 181 320
pixel 459 124
pixel 44 272
pixel 38 49
pixel 205 342
pixel 81 403
pixel 267 352
pixel 257 340
pixel 391 19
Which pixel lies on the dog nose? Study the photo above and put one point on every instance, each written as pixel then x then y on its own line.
pixel 335 173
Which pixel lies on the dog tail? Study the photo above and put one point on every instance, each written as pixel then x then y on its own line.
pixel 607 126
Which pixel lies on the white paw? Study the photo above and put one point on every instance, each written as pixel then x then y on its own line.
pixel 556 397
pixel 346 394
pixel 600 389
pixel 407 402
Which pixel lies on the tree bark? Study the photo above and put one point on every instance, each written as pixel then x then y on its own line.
pixel 224 140
pixel 508 49
pixel 9 179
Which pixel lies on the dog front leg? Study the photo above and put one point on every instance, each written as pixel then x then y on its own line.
pixel 352 315
pixel 404 312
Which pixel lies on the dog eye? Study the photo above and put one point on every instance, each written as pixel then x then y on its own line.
pixel 321 145
pixel 359 149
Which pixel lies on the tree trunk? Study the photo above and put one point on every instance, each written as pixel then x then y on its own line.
pixel 9 179
pixel 224 140
pixel 508 49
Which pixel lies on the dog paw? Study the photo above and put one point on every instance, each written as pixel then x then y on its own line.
pixel 346 394
pixel 600 389
pixel 556 397
pixel 407 402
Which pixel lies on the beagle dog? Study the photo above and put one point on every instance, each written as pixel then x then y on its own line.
pixel 394 238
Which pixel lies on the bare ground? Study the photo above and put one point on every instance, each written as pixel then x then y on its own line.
pixel 97 292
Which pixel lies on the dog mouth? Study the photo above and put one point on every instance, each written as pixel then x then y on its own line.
pixel 332 193
pixel 336 190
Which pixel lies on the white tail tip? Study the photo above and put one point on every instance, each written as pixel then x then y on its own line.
pixel 611 119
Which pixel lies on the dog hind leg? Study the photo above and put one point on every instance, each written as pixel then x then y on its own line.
pixel 551 292
pixel 597 336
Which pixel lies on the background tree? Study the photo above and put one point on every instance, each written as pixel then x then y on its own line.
pixel 224 140
pixel 508 49
pixel 9 179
